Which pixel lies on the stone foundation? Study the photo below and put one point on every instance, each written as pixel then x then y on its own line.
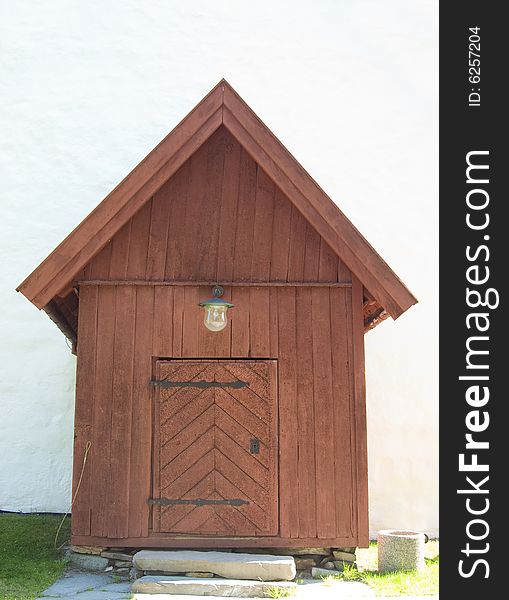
pixel 309 562
pixel 108 560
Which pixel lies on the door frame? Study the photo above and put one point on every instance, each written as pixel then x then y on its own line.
pixel 155 441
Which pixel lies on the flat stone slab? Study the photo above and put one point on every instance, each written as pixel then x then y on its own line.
pixel 239 588
pixel 263 567
pixel 86 586
pixel 120 587
pixel 319 573
pixel 87 562
pixel 118 556
pixel 345 556
pixel 310 589
pixel 75 583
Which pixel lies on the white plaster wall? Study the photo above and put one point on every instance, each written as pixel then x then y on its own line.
pixel 88 88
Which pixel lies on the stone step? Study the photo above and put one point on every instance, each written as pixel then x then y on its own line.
pixel 237 588
pixel 262 567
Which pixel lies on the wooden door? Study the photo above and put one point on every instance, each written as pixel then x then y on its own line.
pixel 215 460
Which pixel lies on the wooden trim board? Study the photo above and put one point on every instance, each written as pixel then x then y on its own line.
pixel 161 541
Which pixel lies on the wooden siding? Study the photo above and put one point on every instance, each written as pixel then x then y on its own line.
pixel 309 332
pixel 218 218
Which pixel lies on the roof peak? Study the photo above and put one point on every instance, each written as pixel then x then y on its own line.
pixel 222 106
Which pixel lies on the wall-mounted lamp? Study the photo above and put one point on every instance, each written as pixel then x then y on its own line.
pixel 215 310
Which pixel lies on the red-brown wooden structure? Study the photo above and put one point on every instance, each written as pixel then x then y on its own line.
pixel 252 436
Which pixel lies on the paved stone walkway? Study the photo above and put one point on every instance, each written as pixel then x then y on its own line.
pixel 77 585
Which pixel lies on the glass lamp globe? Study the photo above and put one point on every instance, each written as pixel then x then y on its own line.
pixel 216 309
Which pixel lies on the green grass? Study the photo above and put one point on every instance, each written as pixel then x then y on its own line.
pixel 418 583
pixel 279 592
pixel 28 561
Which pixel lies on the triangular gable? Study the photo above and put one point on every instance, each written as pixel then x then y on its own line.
pixel 222 106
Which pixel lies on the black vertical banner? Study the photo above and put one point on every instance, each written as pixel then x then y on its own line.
pixel 474 258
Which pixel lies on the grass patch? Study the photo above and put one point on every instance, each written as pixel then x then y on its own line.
pixel 28 561
pixel 279 592
pixel 349 573
pixel 418 583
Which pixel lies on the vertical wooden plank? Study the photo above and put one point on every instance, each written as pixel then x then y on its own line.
pixel 244 237
pixel 297 246
pixel 193 319
pixel 121 409
pixel 264 216
pixel 207 340
pixel 281 237
pixel 178 321
pixel 342 392
pixel 259 315
pixel 120 252
pixel 86 271
pixel 344 273
pixel 273 323
pixel 211 209
pixel 272 370
pixel 141 423
pixel 305 415
pixel 176 224
pixel 162 341
pixel 288 425
pixel 158 237
pixel 84 411
pixel 101 438
pixel 240 322
pixel 224 338
pixel 329 263
pixel 361 457
pixel 163 335
pixel 196 209
pixel 351 382
pixel 228 219
pixel 138 248
pixel 311 254
pixel 100 265
pixel 323 410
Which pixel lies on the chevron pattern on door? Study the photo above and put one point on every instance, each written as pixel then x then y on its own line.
pixel 215 460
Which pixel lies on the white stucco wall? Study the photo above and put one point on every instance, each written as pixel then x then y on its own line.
pixel 88 88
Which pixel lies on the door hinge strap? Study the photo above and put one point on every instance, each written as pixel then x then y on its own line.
pixel 197 502
pixel 165 383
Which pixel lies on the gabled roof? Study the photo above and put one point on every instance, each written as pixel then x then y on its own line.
pixel 222 106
